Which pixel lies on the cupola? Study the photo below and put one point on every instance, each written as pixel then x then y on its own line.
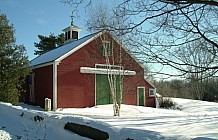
pixel 71 33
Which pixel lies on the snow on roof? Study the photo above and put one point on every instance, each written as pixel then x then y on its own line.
pixel 158 95
pixel 56 53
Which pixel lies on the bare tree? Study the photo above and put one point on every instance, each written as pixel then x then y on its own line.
pixel 114 61
pixel 174 27
pixel 114 74
pixel 157 29
pixel 195 54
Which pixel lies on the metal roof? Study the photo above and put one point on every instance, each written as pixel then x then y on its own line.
pixel 58 52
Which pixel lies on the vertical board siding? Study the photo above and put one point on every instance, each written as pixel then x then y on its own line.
pixel 43 85
pixel 75 89
pixel 78 90
pixel 103 91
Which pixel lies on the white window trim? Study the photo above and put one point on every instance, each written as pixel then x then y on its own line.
pixel 154 90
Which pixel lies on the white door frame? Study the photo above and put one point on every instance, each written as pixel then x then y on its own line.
pixel 138 95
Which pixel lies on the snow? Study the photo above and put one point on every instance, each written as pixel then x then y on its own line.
pixel 106 71
pixel 56 53
pixel 197 120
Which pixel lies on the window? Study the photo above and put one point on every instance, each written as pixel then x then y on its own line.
pixel 74 35
pixel 65 36
pixel 152 92
pixel 106 48
pixel 68 35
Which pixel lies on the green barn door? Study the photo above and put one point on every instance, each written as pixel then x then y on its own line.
pixel 102 90
pixel 103 95
pixel 141 96
pixel 118 82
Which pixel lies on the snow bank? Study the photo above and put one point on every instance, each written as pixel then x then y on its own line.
pixel 197 107
pixel 4 135
pixel 198 120
pixel 17 123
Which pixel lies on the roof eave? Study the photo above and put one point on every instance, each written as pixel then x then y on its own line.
pixel 42 65
pixel 78 47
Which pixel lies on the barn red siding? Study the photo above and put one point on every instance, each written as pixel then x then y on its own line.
pixel 43 85
pixel 78 90
pixel 74 88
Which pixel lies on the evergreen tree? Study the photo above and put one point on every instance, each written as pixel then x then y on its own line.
pixel 14 64
pixel 48 43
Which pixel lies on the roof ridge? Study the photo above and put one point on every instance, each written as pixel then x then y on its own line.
pixel 65 44
pixel 57 52
pixel 72 41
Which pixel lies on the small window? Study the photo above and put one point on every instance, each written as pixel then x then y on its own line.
pixel 65 36
pixel 68 35
pixel 106 48
pixel 152 92
pixel 74 35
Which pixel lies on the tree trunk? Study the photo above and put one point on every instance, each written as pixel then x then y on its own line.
pixel 116 107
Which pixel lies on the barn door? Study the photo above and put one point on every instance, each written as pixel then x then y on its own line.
pixel 103 95
pixel 102 90
pixel 141 96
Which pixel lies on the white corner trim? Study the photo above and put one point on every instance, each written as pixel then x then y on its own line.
pixel 55 85
pixel 106 71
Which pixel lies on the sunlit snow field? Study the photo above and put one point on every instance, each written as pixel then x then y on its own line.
pixel 196 120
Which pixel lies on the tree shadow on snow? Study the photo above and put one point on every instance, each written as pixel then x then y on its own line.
pixel 137 134
pixel 203 138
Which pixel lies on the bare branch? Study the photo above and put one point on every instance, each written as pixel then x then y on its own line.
pixel 205 2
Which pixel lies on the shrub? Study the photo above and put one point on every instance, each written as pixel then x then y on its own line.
pixel 168 103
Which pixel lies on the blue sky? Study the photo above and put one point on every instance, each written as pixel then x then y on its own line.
pixel 42 17
pixel 33 17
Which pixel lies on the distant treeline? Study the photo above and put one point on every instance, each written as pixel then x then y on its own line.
pixel 204 89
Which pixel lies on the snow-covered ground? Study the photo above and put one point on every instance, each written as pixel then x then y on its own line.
pixel 197 120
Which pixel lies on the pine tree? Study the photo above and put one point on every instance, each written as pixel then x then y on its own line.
pixel 48 43
pixel 14 64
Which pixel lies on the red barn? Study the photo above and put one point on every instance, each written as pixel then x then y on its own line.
pixel 75 75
